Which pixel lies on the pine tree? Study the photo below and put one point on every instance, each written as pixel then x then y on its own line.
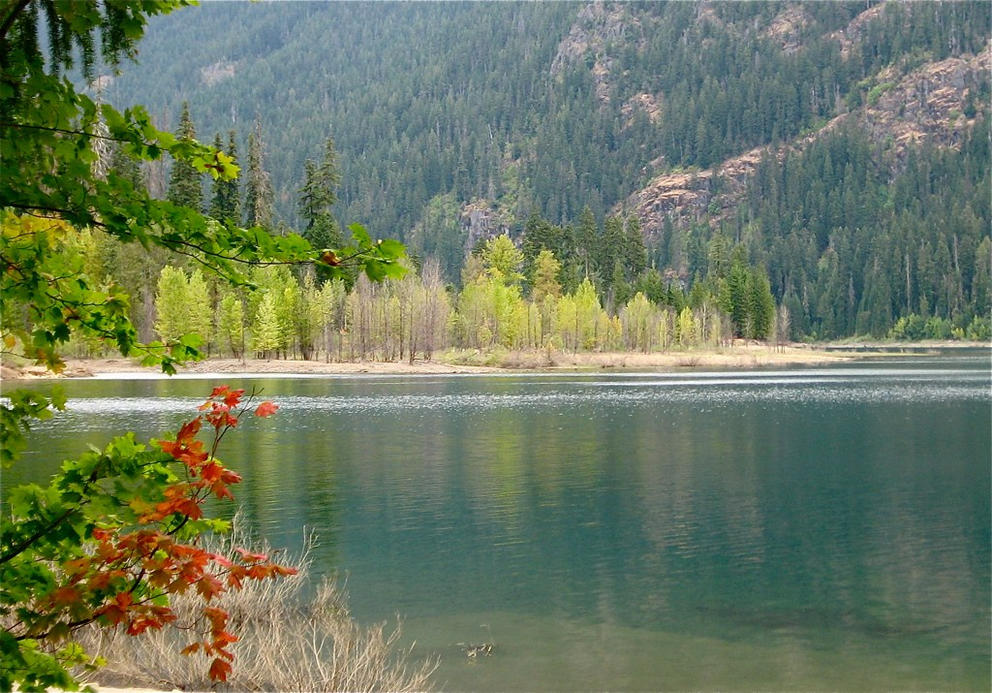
pixel 185 183
pixel 317 196
pixel 126 167
pixel 225 203
pixel 635 255
pixel 760 305
pixel 586 241
pixel 258 188
pixel 734 298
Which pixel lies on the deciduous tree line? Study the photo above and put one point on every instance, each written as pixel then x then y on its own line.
pixel 299 316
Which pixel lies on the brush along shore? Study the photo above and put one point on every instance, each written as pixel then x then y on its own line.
pixel 742 356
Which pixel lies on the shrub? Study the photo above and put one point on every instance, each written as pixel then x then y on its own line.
pixel 289 640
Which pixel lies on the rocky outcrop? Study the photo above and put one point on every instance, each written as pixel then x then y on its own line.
pixel 218 72
pixel 481 222
pixel 596 25
pixel 786 28
pixel 929 104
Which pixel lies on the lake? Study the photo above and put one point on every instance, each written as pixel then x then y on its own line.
pixel 817 528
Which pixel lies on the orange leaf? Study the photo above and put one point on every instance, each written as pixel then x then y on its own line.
pixel 219 670
pixel 249 557
pixel 101 534
pixel 209 587
pixel 190 649
pixel 266 409
pixel 233 398
pixel 211 472
pixel 100 581
pixel 188 431
pixel 218 618
pixel 64 596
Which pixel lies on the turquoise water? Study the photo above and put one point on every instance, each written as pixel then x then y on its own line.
pixel 823 528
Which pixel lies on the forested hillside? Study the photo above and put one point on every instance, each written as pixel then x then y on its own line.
pixel 842 149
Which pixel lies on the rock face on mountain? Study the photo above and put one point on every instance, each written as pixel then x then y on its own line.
pixel 598 24
pixel 480 222
pixel 935 103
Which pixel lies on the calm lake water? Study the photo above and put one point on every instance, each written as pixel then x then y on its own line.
pixel 824 528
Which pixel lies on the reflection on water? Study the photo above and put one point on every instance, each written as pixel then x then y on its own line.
pixel 816 528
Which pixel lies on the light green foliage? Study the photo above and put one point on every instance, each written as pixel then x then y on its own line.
pixel 686 328
pixel 170 304
pixel 545 279
pixel 639 319
pixel 491 312
pixel 231 324
pixel 666 329
pixel 182 303
pixel 579 318
pixel 199 310
pixel 500 255
pixel 310 315
pixel 267 331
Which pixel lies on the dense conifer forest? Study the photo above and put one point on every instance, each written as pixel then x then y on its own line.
pixel 789 170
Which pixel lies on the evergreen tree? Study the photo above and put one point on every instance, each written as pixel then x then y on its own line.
pixel 760 305
pixel 185 182
pixel 587 241
pixel 317 196
pixel 125 166
pixel 258 189
pixel 734 298
pixel 225 204
pixel 635 255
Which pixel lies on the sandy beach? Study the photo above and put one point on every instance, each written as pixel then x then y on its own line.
pixel 464 362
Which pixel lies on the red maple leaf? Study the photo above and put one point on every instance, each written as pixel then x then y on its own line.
pixel 266 409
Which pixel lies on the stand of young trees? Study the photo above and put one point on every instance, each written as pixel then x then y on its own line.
pixel 499 307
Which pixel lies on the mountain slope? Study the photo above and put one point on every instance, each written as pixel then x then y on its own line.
pixel 804 132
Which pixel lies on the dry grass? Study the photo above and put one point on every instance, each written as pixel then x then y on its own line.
pixel 287 643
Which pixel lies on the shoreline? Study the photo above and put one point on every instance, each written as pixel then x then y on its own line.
pixel 466 362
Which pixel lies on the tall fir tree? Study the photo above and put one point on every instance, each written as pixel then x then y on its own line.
pixel 225 203
pixel 126 167
pixel 185 183
pixel 587 240
pixel 258 187
pixel 317 196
